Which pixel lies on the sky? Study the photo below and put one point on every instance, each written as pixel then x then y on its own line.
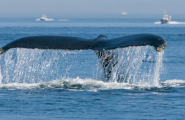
pixel 90 8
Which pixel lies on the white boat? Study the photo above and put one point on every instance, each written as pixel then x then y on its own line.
pixel 166 18
pixel 44 18
pixel 124 13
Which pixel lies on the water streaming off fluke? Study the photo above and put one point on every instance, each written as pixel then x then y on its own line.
pixel 139 66
pixel 136 65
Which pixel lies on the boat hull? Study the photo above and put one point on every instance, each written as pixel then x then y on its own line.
pixel 164 21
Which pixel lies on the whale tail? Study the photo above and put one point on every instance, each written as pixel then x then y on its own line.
pixel 102 46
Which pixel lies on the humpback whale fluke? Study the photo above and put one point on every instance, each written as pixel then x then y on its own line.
pixel 100 45
pixel 76 43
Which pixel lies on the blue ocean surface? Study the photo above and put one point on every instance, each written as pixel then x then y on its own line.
pixel 64 84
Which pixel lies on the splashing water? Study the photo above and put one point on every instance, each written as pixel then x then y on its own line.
pixel 92 85
pixel 35 66
pixel 136 65
pixel 139 66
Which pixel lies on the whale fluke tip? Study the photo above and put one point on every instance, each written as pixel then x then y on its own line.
pixel 161 47
pixel 1 51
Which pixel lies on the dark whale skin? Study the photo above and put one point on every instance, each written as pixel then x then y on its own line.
pixel 77 43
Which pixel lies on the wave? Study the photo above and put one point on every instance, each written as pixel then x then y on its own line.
pixel 173 83
pixel 92 85
pixel 171 22
pixel 45 20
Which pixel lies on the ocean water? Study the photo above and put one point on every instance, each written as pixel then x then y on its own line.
pixel 63 84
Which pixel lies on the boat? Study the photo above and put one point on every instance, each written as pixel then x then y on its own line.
pixel 44 17
pixel 124 13
pixel 166 18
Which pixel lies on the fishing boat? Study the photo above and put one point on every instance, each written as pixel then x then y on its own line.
pixel 166 18
pixel 44 17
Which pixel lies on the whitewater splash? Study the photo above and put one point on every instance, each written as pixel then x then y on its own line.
pixel 36 66
pixel 136 66
pixel 45 20
pixel 171 22
pixel 92 85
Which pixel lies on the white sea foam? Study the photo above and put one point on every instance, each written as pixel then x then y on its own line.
pixel 90 85
pixel 171 22
pixel 69 83
pixel 173 83
pixel 45 20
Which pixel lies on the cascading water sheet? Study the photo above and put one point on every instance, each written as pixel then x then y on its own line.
pixel 36 66
pixel 136 65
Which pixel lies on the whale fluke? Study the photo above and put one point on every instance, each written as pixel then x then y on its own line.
pixel 101 45
pixel 76 43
